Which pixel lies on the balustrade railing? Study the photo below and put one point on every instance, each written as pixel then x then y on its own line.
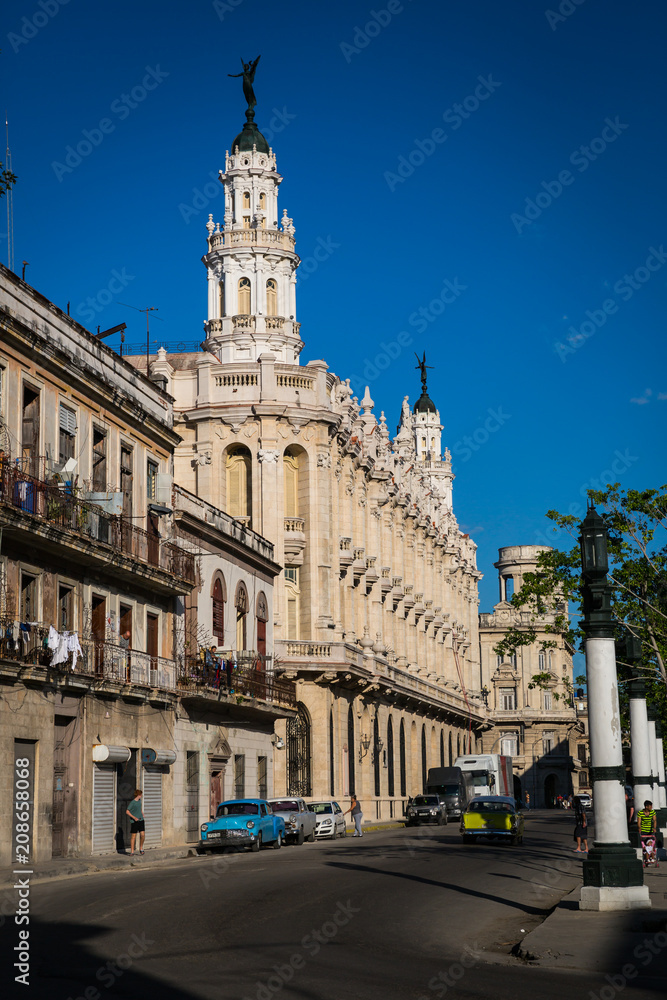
pixel 247 674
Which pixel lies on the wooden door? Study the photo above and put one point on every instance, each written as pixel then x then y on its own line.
pixel 30 431
pixel 99 630
pixel 153 539
pixel 152 642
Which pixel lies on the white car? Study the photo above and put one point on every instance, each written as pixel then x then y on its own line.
pixel 329 817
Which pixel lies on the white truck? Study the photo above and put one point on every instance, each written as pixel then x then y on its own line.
pixel 491 773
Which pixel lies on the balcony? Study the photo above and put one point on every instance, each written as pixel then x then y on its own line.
pixel 99 660
pixel 57 520
pixel 236 676
pixel 294 541
pixel 251 237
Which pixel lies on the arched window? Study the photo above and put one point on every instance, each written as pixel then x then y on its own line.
pixel 401 755
pixel 239 483
pixel 241 604
pixel 442 748
pixel 221 298
pixel 219 597
pixel 291 484
pixel 332 773
pixel 262 616
pixel 271 297
pixel 350 750
pixel 390 757
pixel 262 205
pixel 246 199
pixel 423 758
pixel 244 297
pixel 451 751
pixel 376 755
pixel 299 761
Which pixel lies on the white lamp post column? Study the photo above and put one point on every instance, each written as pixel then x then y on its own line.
pixel 613 876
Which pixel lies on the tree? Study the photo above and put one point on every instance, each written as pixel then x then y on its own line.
pixel 636 521
pixel 7 180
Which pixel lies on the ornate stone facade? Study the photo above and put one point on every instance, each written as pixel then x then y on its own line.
pixel 375 613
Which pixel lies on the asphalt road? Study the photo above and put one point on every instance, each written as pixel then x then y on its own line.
pixel 403 914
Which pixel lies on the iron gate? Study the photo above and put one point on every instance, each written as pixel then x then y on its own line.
pixel 299 755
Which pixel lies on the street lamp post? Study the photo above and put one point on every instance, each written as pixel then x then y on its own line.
pixel 613 875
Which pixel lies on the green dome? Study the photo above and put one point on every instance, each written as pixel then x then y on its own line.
pixel 424 404
pixel 250 136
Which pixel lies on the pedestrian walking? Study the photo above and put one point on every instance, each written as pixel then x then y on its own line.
pixel 581 827
pixel 527 800
pixel 646 819
pixel 357 815
pixel 137 826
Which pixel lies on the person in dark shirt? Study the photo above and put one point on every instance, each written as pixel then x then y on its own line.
pixel 136 814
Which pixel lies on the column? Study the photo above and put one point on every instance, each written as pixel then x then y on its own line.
pixel 641 752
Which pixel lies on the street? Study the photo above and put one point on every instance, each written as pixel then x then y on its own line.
pixel 408 913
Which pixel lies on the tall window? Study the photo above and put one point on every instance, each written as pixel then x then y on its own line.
pixel 239 776
pixel 291 484
pixel 541 662
pixel 246 222
pixel 151 479
pixel 292 600
pixel 30 430
pixel 67 433
pixel 548 740
pixel 28 598
pixel 221 298
pixel 332 772
pixel 239 483
pixel 401 757
pixel 507 698
pixel 271 298
pixel 246 199
pixel 548 701
pixel 350 750
pixel 262 780
pixel 219 610
pixel 424 758
pixel 442 748
pixel 244 294
pixel 65 608
pixel 262 200
pixel 241 603
pixel 509 744
pixel 451 751
pixel 376 756
pixel 390 757
pixel 99 460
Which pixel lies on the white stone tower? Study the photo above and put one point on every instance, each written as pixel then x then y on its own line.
pixel 251 261
pixel 419 437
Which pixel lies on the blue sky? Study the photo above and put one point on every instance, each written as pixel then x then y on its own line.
pixel 549 362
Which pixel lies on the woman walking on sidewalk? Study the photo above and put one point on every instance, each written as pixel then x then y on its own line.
pixel 357 815
pixel 581 828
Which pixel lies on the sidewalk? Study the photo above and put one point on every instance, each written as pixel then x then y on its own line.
pixel 67 867
pixel 620 944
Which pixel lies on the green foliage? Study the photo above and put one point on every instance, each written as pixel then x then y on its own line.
pixel 637 521
pixel 7 180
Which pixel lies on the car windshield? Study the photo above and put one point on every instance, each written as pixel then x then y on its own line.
pixel 320 807
pixel 451 789
pixel 285 806
pixel 425 800
pixel 488 805
pixel 237 809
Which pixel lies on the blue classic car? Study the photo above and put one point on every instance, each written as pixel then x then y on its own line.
pixel 242 823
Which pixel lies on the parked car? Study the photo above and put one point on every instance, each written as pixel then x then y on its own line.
pixel 426 809
pixel 491 816
pixel 299 821
pixel 330 821
pixel 242 823
pixel 585 799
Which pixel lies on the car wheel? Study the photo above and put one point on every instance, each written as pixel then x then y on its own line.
pixel 278 842
pixel 256 844
pixel 311 837
pixel 344 833
pixel 299 836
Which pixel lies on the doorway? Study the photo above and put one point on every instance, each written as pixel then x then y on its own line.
pixel 152 645
pixel 550 791
pixel 64 790
pixel 98 626
pixel 126 785
pixel 30 431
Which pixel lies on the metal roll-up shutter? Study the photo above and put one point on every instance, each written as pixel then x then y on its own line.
pixel 152 805
pixel 104 808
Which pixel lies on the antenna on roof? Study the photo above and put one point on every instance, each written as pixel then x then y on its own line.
pixel 10 205
pixel 147 310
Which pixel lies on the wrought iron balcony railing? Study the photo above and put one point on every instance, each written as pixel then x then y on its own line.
pixel 53 504
pixel 244 674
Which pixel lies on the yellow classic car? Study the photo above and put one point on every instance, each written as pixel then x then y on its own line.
pixel 492 816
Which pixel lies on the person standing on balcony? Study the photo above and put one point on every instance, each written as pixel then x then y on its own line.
pixel 124 643
pixel 138 825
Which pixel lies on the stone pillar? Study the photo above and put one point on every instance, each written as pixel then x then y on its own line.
pixel 655 792
pixel 662 811
pixel 641 751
